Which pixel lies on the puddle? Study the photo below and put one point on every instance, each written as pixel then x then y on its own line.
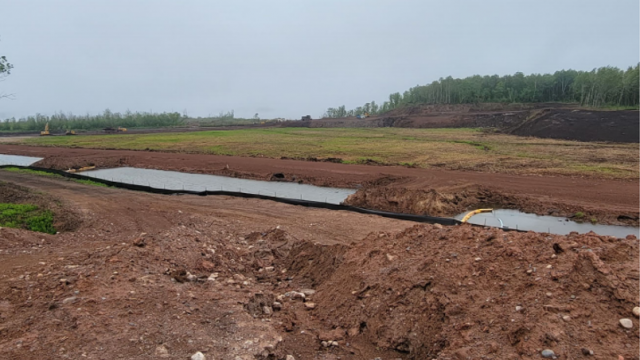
pixel 174 180
pixel 18 160
pixel 515 219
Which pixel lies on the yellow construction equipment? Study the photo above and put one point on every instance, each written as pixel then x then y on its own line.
pixel 46 130
pixel 70 132
pixel 122 129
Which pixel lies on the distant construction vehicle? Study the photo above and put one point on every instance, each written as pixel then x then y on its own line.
pixel 362 116
pixel 46 131
pixel 306 117
pixel 70 132
pixel 111 130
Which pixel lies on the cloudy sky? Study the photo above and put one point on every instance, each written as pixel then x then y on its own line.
pixel 287 58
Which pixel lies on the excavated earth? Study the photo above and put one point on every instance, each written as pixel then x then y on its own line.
pixel 144 276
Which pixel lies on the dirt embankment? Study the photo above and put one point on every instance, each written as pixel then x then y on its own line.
pixel 149 276
pixel 557 121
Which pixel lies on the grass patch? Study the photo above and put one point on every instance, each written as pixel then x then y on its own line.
pixel 25 216
pixel 453 149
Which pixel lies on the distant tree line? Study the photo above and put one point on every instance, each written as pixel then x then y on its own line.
pixel 62 121
pixel 605 86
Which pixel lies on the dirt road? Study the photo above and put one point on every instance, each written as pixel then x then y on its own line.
pixel 146 276
pixel 607 201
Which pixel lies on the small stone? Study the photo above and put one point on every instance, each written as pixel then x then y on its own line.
pixel 334 343
pixel 519 308
pixel 69 300
pixel 478 259
pixel 198 356
pixel 636 311
pixel 267 310
pixel 626 323
pixel 566 318
pixel 437 226
pixel 191 277
pixel 276 305
pixel 310 305
pixel 586 352
pixel 239 277
pixel 325 344
pixel 212 277
pixel 308 292
pixel 290 357
pixel 162 351
pixel 549 294
pixel 297 295
pixel 269 268
pixel 391 257
pixel 548 353
pixel 549 266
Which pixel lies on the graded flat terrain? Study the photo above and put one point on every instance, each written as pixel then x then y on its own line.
pixel 144 276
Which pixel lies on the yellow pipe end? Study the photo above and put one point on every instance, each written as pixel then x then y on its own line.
pixel 474 212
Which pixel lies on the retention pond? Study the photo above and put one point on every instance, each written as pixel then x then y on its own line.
pixel 514 219
pixel 173 180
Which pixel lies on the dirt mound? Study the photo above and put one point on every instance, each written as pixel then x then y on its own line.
pixel 581 125
pixel 466 292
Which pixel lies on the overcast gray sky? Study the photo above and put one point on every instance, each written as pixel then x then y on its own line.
pixel 287 58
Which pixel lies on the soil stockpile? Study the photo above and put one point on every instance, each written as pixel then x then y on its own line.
pixel 150 276
pixel 557 121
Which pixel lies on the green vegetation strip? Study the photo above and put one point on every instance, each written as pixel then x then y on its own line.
pixel 44 173
pixel 452 149
pixel 25 216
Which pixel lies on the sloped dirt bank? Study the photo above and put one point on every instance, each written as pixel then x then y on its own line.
pixel 453 201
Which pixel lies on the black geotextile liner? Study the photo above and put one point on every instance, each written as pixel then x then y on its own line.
pixel 313 204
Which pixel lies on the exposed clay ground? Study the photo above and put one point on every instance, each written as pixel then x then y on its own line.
pixel 394 188
pixel 148 276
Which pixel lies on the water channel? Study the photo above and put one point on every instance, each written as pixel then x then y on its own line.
pixel 515 219
pixel 174 180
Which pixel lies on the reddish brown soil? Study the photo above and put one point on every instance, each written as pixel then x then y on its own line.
pixel 131 282
pixel 391 188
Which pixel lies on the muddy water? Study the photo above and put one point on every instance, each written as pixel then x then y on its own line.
pixel 515 219
pixel 18 160
pixel 174 180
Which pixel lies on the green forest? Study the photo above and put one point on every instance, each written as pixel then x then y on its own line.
pixel 61 121
pixel 603 87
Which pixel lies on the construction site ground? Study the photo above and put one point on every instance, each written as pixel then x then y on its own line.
pixel 431 191
pixel 143 276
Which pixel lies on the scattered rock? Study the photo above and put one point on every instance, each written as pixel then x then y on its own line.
pixel 566 318
pixel 290 357
pixel 239 277
pixel 636 311
pixel 478 259
pixel 626 323
pixel 139 242
pixel 69 300
pixel 308 292
pixel 310 305
pixel 437 226
pixel 191 277
pixel 267 310
pixel 162 352
pixel 334 343
pixel 519 308
pixel 269 268
pixel 391 257
pixel 325 343
pixel 548 353
pixel 207 265
pixel 276 306
pixel 198 356
pixel 212 277
pixel 586 352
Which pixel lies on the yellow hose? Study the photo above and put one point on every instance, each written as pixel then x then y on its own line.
pixel 471 213
pixel 81 169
